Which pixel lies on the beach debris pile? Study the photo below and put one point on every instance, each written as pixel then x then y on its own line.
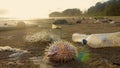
pixel 42 36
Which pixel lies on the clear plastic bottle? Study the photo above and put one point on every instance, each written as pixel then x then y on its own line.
pixel 104 40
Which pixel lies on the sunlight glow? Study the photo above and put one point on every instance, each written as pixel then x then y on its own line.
pixel 41 8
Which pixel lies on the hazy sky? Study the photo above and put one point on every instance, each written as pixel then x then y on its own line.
pixel 40 8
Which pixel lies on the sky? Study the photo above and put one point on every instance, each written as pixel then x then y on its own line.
pixel 40 8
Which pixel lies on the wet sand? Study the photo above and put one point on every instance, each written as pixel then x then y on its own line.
pixel 99 58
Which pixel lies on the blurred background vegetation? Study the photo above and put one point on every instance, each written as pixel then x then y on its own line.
pixel 108 8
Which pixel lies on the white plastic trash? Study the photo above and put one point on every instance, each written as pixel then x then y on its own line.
pixel 98 40
pixel 76 37
pixel 104 40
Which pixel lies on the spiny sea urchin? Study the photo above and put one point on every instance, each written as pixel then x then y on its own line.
pixel 60 52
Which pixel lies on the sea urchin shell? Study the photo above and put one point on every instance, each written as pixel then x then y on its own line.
pixel 60 52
